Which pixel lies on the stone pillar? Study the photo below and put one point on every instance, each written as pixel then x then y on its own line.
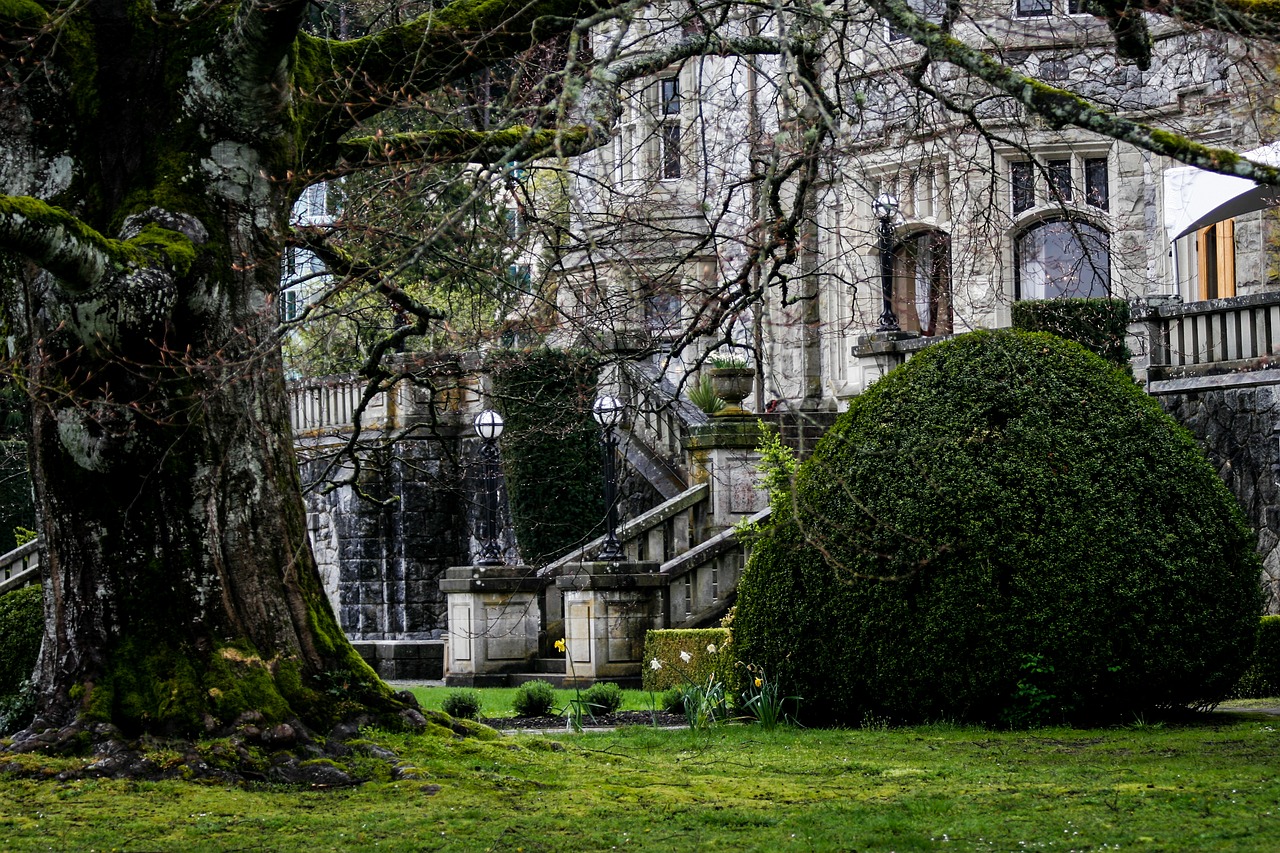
pixel 724 454
pixel 493 623
pixel 880 352
pixel 608 607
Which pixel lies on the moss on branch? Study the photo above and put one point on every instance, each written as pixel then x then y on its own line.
pixel 1061 107
pixel 465 146
pixel 80 256
pixel 361 77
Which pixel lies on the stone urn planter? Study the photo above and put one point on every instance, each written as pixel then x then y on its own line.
pixel 733 385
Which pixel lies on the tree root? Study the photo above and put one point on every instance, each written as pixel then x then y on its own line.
pixel 249 751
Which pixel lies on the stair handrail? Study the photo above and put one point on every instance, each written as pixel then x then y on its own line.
pixel 703 553
pixel 633 529
pixel 21 566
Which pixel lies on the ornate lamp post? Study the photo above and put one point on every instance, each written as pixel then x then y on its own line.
pixel 608 413
pixel 885 208
pixel 488 426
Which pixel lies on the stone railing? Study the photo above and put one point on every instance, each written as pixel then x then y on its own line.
pixel 659 535
pixel 326 405
pixel 20 567
pixel 1219 341
pixel 700 580
pixel 658 418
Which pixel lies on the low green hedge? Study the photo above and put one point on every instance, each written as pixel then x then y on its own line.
pixel 1262 678
pixel 1099 325
pixel 665 647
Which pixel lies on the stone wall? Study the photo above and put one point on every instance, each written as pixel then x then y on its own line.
pixel 1235 428
pixel 382 561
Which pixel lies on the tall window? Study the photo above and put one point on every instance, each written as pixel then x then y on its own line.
pixel 1059 180
pixel 1216 260
pixel 922 283
pixel 1022 183
pixel 1062 258
pixel 669 127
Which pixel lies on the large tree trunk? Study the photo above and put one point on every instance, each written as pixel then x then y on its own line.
pixel 181 591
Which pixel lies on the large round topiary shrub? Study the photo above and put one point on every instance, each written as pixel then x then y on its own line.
pixel 1005 530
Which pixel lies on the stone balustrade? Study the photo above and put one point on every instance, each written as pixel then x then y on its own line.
pixel 20 567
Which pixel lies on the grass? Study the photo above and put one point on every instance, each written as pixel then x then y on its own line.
pixel 1213 786
pixel 497 700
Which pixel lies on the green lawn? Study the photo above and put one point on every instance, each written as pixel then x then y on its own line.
pixel 1208 787
pixel 497 700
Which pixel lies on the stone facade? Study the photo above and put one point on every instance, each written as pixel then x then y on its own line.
pixel 1236 428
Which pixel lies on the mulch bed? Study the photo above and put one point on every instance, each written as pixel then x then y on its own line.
pixel 600 721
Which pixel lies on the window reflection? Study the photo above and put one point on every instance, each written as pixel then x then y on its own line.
pixel 1062 259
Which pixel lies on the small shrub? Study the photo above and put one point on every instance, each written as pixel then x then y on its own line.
pixel 1262 678
pixel 672 701
pixel 603 698
pixel 534 699
pixel 704 396
pixel 463 704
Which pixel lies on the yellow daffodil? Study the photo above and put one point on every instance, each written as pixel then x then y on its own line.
pixel 759 682
pixel 560 646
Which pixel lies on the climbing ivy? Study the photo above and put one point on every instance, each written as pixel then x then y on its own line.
pixel 550 448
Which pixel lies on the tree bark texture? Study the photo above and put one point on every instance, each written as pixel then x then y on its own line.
pixel 151 154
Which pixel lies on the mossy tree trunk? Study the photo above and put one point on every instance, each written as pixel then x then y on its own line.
pixel 152 153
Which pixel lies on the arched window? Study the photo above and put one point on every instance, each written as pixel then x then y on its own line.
pixel 922 283
pixel 1062 258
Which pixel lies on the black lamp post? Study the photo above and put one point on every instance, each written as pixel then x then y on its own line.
pixel 608 413
pixel 885 208
pixel 488 426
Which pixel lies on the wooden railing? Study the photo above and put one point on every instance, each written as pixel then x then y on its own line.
pixel 20 567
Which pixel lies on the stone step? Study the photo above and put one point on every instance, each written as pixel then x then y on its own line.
pixel 551 666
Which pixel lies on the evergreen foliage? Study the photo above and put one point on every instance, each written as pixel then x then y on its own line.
pixel 21 628
pixel 550 448
pixel 603 697
pixel 1099 325
pixel 1003 530
pixel 534 699
pixel 666 646
pixel 1262 677
pixel 463 704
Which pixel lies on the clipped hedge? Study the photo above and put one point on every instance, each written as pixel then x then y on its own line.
pixel 21 629
pixel 1006 530
pixel 666 645
pixel 1261 678
pixel 1099 325
pixel 550 448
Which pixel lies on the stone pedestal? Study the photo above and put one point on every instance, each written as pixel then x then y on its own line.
pixel 880 352
pixel 608 607
pixel 493 622
pixel 724 454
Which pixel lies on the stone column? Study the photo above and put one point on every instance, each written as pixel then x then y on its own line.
pixel 608 607
pixel 724 454
pixel 493 623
